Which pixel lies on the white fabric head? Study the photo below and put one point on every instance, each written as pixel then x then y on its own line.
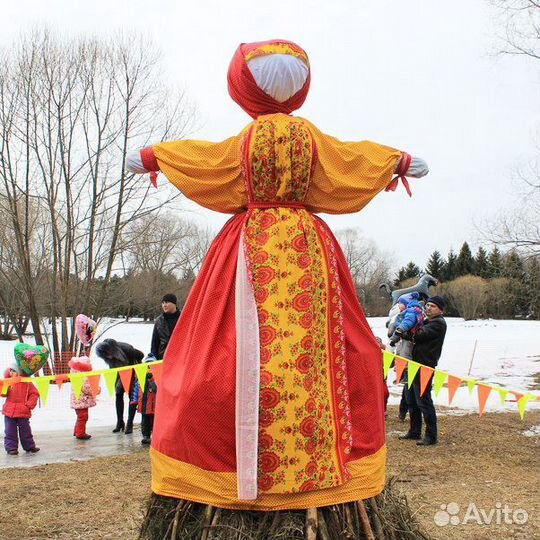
pixel 279 75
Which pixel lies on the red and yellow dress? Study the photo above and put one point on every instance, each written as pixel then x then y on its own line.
pixel 272 389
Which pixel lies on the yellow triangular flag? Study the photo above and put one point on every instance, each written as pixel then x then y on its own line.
pixel 470 385
pixel 43 385
pixel 412 370
pixel 502 395
pixel 438 381
pixel 388 358
pixel 522 403
pixel 110 380
pixel 141 370
pixel 77 381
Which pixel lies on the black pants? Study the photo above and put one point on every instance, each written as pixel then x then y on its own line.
pixel 403 405
pixel 147 425
pixel 119 392
pixel 421 406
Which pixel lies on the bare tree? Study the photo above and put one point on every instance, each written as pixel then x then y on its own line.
pixel 519 227
pixel 68 111
pixel 521 26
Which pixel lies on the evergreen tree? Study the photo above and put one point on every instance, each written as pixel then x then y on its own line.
pixel 512 266
pixel 406 272
pixel 533 287
pixel 449 270
pixel 465 261
pixel 435 265
pixel 494 268
pixel 481 263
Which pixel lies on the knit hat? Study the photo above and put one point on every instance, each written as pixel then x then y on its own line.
pixel 169 297
pixel 439 301
pixel 12 366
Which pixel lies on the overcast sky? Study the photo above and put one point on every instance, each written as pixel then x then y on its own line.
pixel 421 76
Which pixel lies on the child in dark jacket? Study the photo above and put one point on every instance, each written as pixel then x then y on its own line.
pixel 21 398
pixel 146 404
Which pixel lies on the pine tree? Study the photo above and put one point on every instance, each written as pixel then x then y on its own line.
pixel 481 263
pixel 465 261
pixel 449 270
pixel 494 268
pixel 435 265
pixel 512 266
pixel 533 287
pixel 406 272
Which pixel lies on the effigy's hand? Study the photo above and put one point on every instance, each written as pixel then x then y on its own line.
pixel 134 164
pixel 407 166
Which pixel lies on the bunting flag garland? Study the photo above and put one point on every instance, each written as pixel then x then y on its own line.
pixel 401 364
pixel 426 374
pixel 155 369
pixel 125 376
pixel 412 370
pixel 483 394
pixel 60 380
pixel 110 380
pixel 141 370
pixel 93 380
pixel 438 380
pixel 388 358
pixel 43 384
pixel 77 381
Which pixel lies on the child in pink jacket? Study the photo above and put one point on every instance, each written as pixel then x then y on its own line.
pixel 86 399
pixel 21 398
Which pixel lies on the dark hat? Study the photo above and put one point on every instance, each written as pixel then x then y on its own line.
pixel 439 301
pixel 170 298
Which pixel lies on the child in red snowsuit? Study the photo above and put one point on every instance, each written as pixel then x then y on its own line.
pixel 86 399
pixel 21 398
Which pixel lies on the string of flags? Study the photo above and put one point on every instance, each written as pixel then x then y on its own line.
pixel 390 360
pixel 438 378
pixel 94 377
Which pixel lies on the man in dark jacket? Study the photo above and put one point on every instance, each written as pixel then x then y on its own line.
pixel 428 343
pixel 164 326
pixel 118 354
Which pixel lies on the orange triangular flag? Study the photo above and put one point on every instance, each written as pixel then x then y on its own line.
pixel 125 377
pixel 453 384
pixel 483 394
pixel 156 372
pixel 400 365
pixel 517 395
pixel 425 376
pixel 60 380
pixel 93 381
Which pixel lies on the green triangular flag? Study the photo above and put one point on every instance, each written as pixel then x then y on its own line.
pixel 77 381
pixel 502 395
pixel 141 370
pixel 522 403
pixel 43 386
pixel 438 380
pixel 110 380
pixel 470 385
pixel 412 370
pixel 388 358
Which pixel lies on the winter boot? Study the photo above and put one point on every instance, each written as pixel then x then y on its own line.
pixel 131 416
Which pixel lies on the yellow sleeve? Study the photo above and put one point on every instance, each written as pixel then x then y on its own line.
pixel 208 173
pixel 348 175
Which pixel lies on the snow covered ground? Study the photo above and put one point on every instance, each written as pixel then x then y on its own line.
pixel 507 354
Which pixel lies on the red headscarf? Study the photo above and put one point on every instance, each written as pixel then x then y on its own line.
pixel 243 88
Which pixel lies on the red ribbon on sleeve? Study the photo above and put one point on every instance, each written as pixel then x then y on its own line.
pixel 402 169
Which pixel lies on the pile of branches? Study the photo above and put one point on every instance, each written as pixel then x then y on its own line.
pixel 385 517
